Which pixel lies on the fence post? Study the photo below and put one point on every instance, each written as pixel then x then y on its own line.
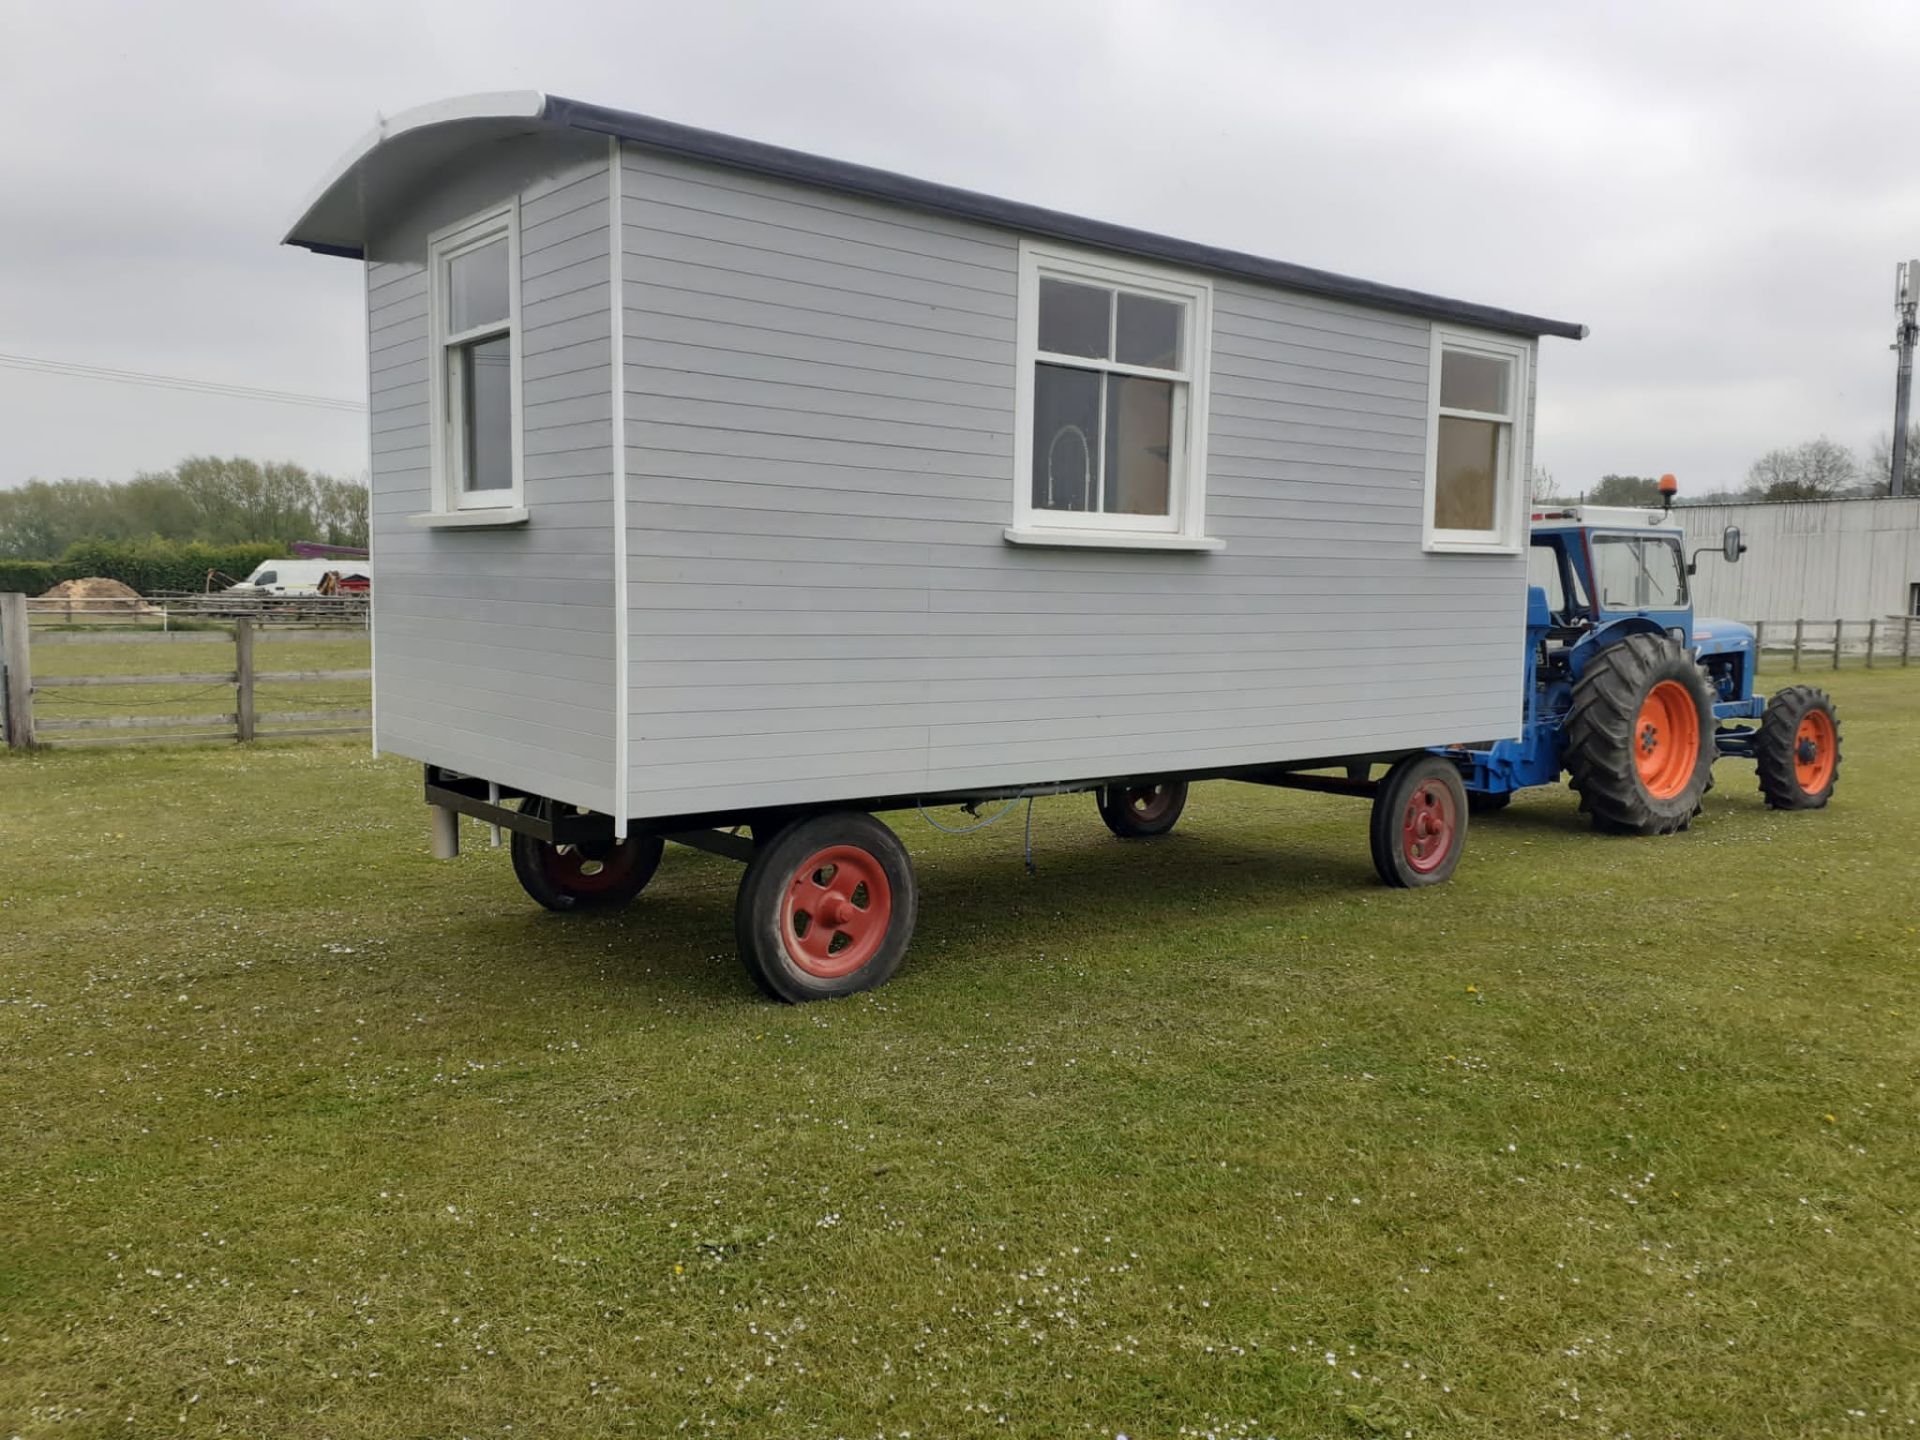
pixel 14 641
pixel 1836 642
pixel 1799 638
pixel 1759 643
pixel 1873 631
pixel 243 677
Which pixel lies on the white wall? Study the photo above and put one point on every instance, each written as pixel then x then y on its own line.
pixel 1812 560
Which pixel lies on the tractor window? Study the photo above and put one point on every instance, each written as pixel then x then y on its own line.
pixel 1639 572
pixel 1543 568
pixel 1547 565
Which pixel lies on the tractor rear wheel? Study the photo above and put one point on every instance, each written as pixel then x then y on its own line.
pixel 1640 747
pixel 1798 749
pixel 592 876
pixel 1137 812
pixel 826 907
pixel 1419 822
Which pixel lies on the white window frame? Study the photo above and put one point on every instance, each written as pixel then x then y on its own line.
pixel 1508 534
pixel 1184 527
pixel 451 498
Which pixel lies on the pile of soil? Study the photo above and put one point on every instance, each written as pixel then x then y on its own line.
pixel 101 596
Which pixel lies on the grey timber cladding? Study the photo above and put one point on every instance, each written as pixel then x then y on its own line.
pixel 819 459
pixel 494 648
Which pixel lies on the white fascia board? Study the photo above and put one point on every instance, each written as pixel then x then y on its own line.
pixel 485 105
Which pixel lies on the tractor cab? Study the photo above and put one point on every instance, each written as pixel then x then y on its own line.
pixel 1600 564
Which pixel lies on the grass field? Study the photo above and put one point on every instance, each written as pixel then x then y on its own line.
pixel 308 1135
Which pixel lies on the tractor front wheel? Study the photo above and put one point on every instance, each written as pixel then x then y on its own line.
pixel 826 907
pixel 1798 749
pixel 592 876
pixel 1419 823
pixel 1137 812
pixel 1640 747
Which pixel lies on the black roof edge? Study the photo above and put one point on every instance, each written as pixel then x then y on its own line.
pixel 784 164
pixel 345 252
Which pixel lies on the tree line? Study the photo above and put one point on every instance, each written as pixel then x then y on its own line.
pixel 204 499
pixel 1818 469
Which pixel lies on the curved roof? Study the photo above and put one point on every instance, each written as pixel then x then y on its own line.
pixel 399 153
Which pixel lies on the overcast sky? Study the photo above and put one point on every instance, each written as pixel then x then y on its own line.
pixel 1720 191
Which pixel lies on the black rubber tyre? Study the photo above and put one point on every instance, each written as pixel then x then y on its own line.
pixel 1607 734
pixel 1797 751
pixel 1418 828
pixel 1138 812
pixel 583 877
pixel 820 881
pixel 1486 802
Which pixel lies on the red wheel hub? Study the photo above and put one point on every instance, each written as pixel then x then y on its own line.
pixel 1428 826
pixel 1147 803
pixel 588 869
pixel 836 911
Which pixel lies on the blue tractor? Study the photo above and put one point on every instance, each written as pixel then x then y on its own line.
pixel 1631 696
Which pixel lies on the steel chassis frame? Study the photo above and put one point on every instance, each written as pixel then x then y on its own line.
pixel 717 832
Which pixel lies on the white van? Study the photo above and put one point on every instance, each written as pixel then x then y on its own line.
pixel 297 577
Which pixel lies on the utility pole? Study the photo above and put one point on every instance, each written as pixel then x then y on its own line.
pixel 1906 295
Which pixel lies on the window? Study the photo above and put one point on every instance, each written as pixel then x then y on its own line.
pixel 267 577
pixel 1476 396
pixel 1543 569
pixel 1638 572
pixel 1110 404
pixel 1913 599
pixel 1566 593
pixel 474 306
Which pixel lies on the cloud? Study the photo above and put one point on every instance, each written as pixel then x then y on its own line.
pixel 1710 187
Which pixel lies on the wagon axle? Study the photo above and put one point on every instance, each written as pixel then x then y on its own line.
pixel 828 898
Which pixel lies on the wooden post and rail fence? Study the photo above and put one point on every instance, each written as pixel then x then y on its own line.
pixel 21 648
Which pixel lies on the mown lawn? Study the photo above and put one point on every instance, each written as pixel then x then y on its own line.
pixel 308 1135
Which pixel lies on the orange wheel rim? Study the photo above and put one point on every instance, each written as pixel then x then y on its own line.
pixel 1666 740
pixel 1813 751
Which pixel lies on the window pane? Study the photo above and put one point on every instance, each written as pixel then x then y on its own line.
pixel 1074 319
pixel 477 287
pixel 1616 571
pixel 1666 576
pixel 1635 573
pixel 1066 434
pixel 486 397
pixel 1468 474
pixel 1543 569
pixel 1148 332
pixel 1474 382
pixel 1139 447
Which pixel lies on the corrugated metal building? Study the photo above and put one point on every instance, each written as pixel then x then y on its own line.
pixel 1822 560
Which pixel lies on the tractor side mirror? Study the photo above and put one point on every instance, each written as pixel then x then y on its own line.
pixel 1731 544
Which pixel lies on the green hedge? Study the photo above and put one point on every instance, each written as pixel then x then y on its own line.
pixel 29 577
pixel 147 565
